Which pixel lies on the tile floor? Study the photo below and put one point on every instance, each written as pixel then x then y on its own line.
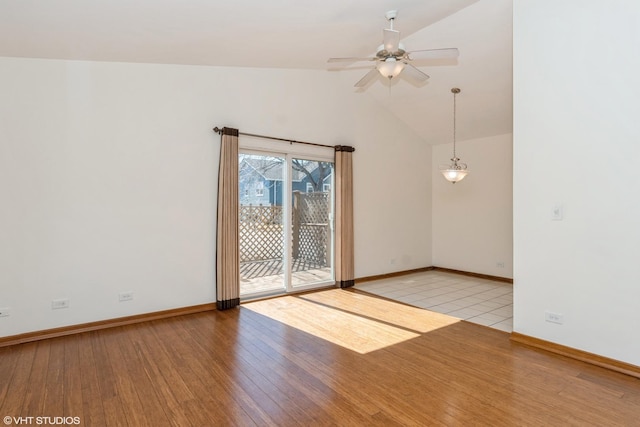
pixel 481 301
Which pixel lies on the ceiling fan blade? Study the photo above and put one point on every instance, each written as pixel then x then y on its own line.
pixel 413 74
pixel 367 78
pixel 391 40
pixel 350 59
pixel 450 52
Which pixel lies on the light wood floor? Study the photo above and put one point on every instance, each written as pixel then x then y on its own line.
pixel 243 367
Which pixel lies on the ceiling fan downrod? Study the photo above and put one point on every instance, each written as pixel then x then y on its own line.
pixel 391 15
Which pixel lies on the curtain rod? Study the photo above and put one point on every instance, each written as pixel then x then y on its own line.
pixel 291 141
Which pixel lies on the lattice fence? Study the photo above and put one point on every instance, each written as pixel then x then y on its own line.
pixel 260 214
pixel 260 233
pixel 261 236
pixel 311 235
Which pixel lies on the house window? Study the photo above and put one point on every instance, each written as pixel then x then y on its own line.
pixel 326 187
pixel 260 189
pixel 309 187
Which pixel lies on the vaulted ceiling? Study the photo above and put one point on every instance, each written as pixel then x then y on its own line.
pixel 294 34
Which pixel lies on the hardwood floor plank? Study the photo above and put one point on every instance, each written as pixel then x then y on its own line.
pixel 494 379
pixel 33 404
pixel 242 368
pixel 269 378
pixel 356 401
pixel 285 370
pixel 112 404
pixel 255 382
pixel 124 384
pixel 258 323
pixel 18 380
pixel 348 370
pixel 92 409
pixel 313 385
pixel 135 387
pixel 172 390
pixel 53 401
pixel 8 361
pixel 327 367
pixel 433 364
pixel 210 375
pixel 71 381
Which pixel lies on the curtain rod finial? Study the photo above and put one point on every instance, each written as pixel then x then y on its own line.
pixel 217 130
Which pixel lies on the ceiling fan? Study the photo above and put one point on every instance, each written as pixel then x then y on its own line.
pixel 392 58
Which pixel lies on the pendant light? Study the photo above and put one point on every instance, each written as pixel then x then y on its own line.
pixel 456 171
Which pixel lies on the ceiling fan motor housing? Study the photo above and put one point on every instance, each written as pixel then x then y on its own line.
pixel 383 54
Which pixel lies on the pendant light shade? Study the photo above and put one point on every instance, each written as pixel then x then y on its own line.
pixel 454 175
pixel 390 68
pixel 456 170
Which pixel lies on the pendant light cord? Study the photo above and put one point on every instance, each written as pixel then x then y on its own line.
pixel 454 124
pixel 455 91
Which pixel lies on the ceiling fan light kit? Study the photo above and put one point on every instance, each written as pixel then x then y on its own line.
pixel 456 171
pixel 392 58
pixel 390 68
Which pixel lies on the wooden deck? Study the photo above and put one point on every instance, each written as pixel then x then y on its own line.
pixel 273 267
pixel 290 363
pixel 258 277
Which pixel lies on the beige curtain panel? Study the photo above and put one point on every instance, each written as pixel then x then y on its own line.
pixel 227 248
pixel 344 269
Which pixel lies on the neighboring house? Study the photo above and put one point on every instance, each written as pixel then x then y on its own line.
pixel 261 180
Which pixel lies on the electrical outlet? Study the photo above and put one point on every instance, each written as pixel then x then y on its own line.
pixel 552 317
pixel 60 303
pixel 125 296
pixel 500 264
pixel 5 312
pixel 392 261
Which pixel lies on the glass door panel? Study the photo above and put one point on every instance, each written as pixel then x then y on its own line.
pixel 261 226
pixel 311 222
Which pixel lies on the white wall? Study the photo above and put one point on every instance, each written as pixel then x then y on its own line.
pixel 472 219
pixel 392 197
pixel 108 179
pixel 576 143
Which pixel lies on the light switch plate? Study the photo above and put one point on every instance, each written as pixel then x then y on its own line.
pixel 556 213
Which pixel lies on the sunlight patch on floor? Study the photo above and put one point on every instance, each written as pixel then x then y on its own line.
pixel 358 322
pixel 391 312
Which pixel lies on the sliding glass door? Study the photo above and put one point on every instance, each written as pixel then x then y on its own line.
pixel 312 222
pixel 261 223
pixel 286 223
